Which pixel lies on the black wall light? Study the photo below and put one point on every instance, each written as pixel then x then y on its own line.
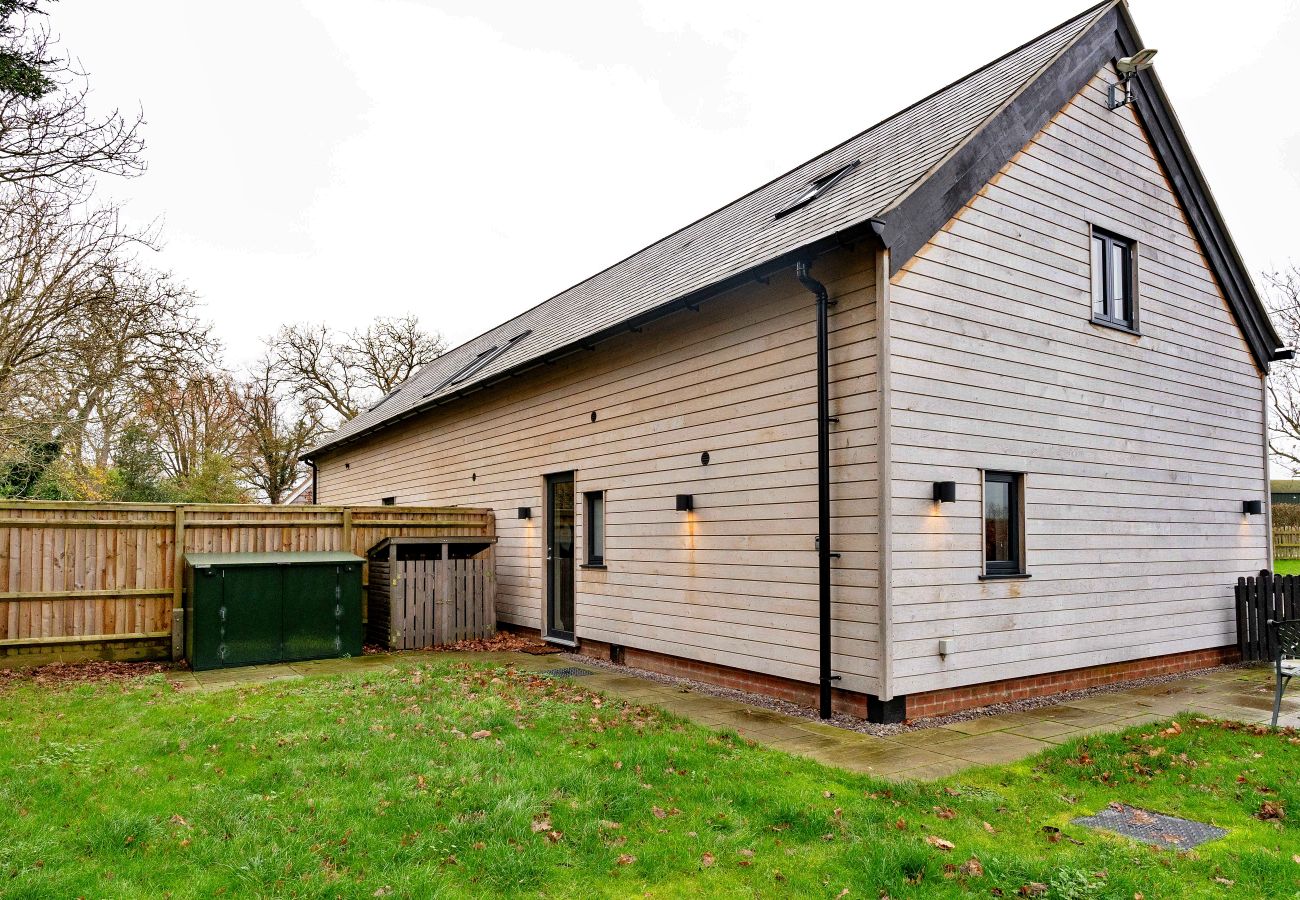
pixel 525 512
pixel 685 502
pixel 945 492
pixel 1252 507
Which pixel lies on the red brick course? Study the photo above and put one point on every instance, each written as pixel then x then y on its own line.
pixel 929 703
pixel 951 700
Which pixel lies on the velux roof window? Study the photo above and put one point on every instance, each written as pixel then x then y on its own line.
pixel 478 363
pixel 817 187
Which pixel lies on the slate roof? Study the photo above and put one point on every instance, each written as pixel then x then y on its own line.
pixel 895 156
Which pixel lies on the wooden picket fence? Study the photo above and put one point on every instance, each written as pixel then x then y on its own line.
pixel 1261 599
pixel 433 602
pixel 104 580
pixel 1286 543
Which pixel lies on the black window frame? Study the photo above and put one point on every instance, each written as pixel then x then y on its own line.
pixel 1015 566
pixel 1109 241
pixel 591 524
pixel 387 501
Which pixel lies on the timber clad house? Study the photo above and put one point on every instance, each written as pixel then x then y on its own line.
pixel 968 408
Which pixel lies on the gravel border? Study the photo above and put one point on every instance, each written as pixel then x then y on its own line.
pixel 853 723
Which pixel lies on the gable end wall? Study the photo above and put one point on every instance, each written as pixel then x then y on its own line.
pixel 1138 451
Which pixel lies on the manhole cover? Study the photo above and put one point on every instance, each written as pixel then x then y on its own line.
pixel 568 672
pixel 1152 828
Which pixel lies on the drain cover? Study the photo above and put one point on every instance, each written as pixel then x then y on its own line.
pixel 1152 828
pixel 568 672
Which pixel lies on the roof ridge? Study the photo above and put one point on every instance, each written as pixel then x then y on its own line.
pixel 1095 10
pixel 1093 14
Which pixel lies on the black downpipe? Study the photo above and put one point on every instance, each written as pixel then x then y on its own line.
pixel 802 272
pixel 314 473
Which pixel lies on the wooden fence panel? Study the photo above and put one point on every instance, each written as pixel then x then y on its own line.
pixel 103 580
pixel 1286 543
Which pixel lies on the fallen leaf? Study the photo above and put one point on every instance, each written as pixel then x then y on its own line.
pixel 707 860
pixel 1033 889
pixel 555 836
pixel 945 812
pixel 1219 879
pixel 901 824
pixel 1270 809
pixel 479 735
pixel 940 843
pixel 626 859
pixel 540 825
pixel 747 853
pixel 972 868
pixel 658 812
pixel 989 828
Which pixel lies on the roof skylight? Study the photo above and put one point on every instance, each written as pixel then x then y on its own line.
pixel 817 187
pixel 478 363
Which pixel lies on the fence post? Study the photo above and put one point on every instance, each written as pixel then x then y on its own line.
pixel 347 530
pixel 178 586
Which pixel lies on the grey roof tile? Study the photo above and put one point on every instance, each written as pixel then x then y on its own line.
pixel 894 155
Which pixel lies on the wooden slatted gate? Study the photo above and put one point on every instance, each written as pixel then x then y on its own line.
pixel 1261 599
pixel 437 593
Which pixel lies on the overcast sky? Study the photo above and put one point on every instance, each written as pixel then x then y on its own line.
pixel 465 160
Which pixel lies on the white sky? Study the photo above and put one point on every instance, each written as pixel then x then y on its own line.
pixel 332 160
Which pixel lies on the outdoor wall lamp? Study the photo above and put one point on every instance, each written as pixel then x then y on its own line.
pixel 685 502
pixel 1252 507
pixel 945 492
pixel 525 512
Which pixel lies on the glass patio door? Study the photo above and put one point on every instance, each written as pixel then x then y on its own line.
pixel 559 556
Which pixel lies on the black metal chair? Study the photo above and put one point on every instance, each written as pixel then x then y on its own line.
pixel 1285 643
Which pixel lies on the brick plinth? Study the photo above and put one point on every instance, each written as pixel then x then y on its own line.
pixel 918 706
pixel 951 700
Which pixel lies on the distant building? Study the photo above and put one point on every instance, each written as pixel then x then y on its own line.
pixel 1284 491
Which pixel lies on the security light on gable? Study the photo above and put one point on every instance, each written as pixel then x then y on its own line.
pixel 1121 93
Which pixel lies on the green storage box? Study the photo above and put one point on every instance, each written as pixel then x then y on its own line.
pixel 247 608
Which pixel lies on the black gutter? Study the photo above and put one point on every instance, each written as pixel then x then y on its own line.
pixel 867 230
pixel 802 272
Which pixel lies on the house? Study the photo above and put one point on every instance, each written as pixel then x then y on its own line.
pixel 1285 492
pixel 966 408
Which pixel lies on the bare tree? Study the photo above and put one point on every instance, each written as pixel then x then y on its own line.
pixel 194 419
pixel 47 134
pixel 1283 292
pixel 344 373
pixel 277 432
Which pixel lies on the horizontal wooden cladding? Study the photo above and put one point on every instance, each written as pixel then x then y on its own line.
pixel 1137 450
pixel 89 573
pixel 736 379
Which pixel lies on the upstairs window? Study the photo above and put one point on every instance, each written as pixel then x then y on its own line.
pixel 1113 287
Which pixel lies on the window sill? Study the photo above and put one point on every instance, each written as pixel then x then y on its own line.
pixel 596 566
pixel 1009 576
pixel 1117 326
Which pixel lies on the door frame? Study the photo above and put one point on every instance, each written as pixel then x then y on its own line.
pixel 569 638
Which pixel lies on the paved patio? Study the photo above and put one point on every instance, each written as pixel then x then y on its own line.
pixel 1244 694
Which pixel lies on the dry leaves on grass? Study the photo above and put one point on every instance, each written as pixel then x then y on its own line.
pixel 1270 810
pixel 56 674
pixel 707 860
pixel 939 843
pixel 626 859
pixel 1033 889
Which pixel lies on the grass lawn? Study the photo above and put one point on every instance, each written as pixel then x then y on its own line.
pixel 1286 566
pixel 452 780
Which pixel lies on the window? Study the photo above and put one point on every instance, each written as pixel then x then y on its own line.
pixel 477 363
pixel 1113 302
pixel 817 187
pixel 1002 502
pixel 388 501
pixel 594 525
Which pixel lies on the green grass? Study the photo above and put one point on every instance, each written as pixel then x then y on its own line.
pixel 372 785
pixel 1286 566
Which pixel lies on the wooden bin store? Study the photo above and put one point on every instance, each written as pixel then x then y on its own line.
pixel 247 608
